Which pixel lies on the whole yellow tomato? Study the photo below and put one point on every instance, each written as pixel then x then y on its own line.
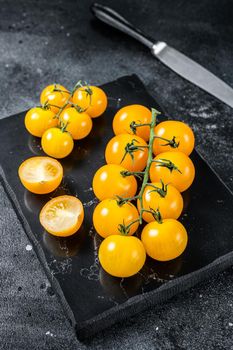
pixel 108 182
pixel 79 125
pixel 111 218
pixel 164 241
pixel 122 256
pixel 40 175
pixel 127 116
pixel 57 143
pixel 173 167
pixel 165 198
pixel 38 120
pixel 116 152
pixel 92 99
pixel 55 98
pixel 62 215
pixel 173 136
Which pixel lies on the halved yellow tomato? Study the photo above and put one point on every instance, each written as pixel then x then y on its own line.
pixel 62 216
pixel 40 174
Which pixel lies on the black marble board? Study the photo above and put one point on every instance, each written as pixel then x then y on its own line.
pixel 91 298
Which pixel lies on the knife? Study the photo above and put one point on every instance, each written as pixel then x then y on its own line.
pixel 175 60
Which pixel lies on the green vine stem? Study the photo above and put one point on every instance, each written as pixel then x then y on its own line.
pixel 149 161
pixel 142 174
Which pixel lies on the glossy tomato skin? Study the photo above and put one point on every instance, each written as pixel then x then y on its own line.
pixel 49 170
pixel 109 183
pixel 181 180
pixel 108 215
pixel 79 124
pixel 122 256
pixel 57 143
pixel 170 206
pixel 52 217
pixel 166 241
pixel 115 151
pixel 183 135
pixel 95 105
pixel 38 120
pixel 129 114
pixel 56 98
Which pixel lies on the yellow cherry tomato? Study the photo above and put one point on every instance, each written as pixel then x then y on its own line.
pixel 62 216
pixel 176 136
pixel 165 241
pixel 165 198
pixel 38 120
pixel 57 143
pixel 56 98
pixel 40 174
pixel 122 256
pixel 111 218
pixel 115 152
pixel 92 99
pixel 79 124
pixel 129 115
pixel 174 168
pixel 108 182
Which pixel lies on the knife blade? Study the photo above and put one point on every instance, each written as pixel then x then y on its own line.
pixel 172 58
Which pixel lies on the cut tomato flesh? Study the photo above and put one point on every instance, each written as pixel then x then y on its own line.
pixel 62 215
pixel 40 169
pixel 41 174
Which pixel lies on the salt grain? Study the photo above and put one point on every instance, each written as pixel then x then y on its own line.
pixel 28 247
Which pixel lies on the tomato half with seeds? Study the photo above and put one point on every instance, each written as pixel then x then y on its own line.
pixel 173 136
pixel 62 216
pixel 112 218
pixel 128 116
pixel 79 125
pixel 164 241
pixel 175 168
pixel 109 182
pixel 130 151
pixel 38 120
pixel 57 143
pixel 122 256
pixel 166 198
pixel 92 99
pixel 53 97
pixel 40 175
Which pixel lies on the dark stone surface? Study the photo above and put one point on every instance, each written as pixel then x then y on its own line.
pixel 57 41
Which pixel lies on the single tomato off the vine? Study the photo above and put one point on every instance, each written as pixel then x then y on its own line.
pixel 127 116
pixel 40 175
pixel 121 255
pixel 38 120
pixel 166 198
pixel 109 182
pixel 62 216
pixel 57 143
pixel 92 99
pixel 173 136
pixel 56 99
pixel 112 218
pixel 175 168
pixel 130 151
pixel 164 241
pixel 79 125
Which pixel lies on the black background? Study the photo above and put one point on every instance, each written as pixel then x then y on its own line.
pixel 43 42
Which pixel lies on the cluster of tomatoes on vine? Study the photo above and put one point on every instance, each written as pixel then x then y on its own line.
pixel 65 116
pixel 157 154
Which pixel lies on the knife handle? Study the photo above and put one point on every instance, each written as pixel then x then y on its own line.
pixel 115 20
